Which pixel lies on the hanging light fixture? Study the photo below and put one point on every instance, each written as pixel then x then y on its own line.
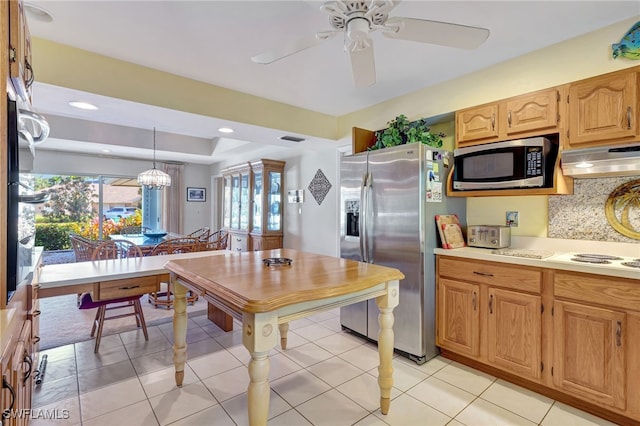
pixel 154 178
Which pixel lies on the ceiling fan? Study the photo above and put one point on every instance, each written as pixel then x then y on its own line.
pixel 358 19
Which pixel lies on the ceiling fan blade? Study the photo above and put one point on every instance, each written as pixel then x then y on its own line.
pixel 363 65
pixel 290 47
pixel 435 32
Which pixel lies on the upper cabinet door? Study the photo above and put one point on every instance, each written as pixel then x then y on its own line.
pixel 534 111
pixel 20 51
pixel 603 110
pixel 477 124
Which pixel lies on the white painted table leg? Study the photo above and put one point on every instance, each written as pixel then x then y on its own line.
pixel 179 329
pixel 386 304
pixel 284 329
pixel 259 336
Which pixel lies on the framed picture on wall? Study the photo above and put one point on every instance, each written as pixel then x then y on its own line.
pixel 196 194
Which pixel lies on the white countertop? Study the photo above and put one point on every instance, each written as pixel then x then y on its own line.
pixel 561 259
pixel 66 274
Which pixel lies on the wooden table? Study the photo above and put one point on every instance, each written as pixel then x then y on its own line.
pixel 267 298
pixel 80 277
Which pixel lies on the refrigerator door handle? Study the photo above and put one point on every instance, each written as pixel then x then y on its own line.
pixel 369 220
pixel 361 224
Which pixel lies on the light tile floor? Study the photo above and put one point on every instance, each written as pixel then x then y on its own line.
pixel 325 377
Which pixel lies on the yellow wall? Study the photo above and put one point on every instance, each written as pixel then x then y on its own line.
pixel 532 213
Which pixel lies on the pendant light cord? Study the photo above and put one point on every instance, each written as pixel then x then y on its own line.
pixel 154 147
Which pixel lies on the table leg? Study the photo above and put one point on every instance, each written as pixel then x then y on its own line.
pixel 179 329
pixel 259 336
pixel 386 304
pixel 284 329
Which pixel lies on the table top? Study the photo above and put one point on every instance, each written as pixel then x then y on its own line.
pixel 243 280
pixel 69 274
pixel 142 241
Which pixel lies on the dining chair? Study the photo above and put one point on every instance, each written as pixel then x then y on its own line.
pixel 217 241
pixel 83 250
pixel 83 247
pixel 121 249
pixel 201 234
pixel 173 246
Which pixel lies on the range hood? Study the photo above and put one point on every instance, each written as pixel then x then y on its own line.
pixel 622 160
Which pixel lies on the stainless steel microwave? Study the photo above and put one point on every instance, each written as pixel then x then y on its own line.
pixel 522 163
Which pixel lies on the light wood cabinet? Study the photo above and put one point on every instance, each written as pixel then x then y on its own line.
pixel 589 355
pixel 572 336
pixel 596 332
pixel 483 312
pixel 20 69
pixel 537 111
pixel 458 317
pixel 268 204
pixel 253 205
pixel 514 332
pixel 532 114
pixel 477 124
pixel 603 110
pixel 238 210
pixel 18 370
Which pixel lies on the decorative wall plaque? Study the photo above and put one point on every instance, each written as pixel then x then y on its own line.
pixel 319 186
pixel 623 207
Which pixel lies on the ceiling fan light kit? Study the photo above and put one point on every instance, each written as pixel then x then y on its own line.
pixel 358 19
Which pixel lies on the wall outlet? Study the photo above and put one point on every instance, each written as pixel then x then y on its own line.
pixel 512 219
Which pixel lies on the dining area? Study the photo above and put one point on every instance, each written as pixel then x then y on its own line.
pixel 137 253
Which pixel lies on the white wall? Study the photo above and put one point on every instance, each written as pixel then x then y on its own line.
pixel 308 226
pixel 196 215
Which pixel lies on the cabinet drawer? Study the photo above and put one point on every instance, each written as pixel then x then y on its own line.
pixel 495 274
pixel 127 287
pixel 238 242
pixel 618 292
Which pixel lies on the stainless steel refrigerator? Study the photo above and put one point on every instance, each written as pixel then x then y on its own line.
pixel 388 200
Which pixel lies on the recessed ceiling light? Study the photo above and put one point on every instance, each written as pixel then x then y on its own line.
pixel 225 130
pixel 83 105
pixel 38 13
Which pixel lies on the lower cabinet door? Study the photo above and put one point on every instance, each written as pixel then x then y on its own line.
pixel 458 317
pixel 589 353
pixel 514 340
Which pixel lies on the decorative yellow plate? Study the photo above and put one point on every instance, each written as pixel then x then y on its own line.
pixel 622 204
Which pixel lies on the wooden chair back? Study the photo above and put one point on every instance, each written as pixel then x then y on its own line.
pixel 176 245
pixel 121 249
pixel 83 247
pixel 202 234
pixel 217 241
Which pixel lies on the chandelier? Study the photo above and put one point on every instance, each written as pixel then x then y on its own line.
pixel 154 178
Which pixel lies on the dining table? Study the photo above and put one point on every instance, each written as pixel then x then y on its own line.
pixel 145 242
pixel 265 290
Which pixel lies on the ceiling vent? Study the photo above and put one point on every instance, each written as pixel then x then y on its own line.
pixel 291 138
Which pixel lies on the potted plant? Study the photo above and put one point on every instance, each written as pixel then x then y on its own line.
pixel 401 131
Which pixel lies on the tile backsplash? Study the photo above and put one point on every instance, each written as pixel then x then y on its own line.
pixel 581 216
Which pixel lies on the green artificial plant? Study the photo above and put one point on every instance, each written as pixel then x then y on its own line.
pixel 401 131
